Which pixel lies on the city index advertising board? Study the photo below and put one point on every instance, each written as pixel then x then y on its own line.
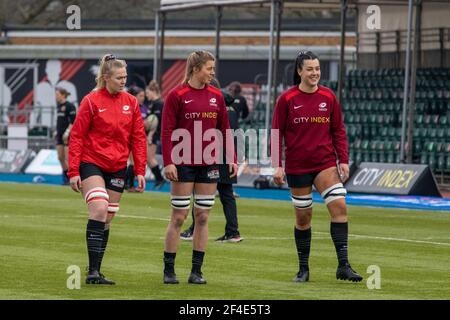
pixel 389 178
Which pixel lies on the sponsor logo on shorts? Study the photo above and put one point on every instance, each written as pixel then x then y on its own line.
pixel 213 174
pixel 117 182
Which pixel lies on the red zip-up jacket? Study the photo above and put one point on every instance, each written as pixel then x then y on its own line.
pixel 107 127
pixel 187 108
pixel 312 128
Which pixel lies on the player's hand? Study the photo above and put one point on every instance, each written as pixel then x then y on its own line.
pixel 170 171
pixel 278 176
pixel 141 183
pixel 344 172
pixel 75 183
pixel 233 169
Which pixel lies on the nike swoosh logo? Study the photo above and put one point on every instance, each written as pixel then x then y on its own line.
pixel 296 107
pixel 188 101
pixel 101 110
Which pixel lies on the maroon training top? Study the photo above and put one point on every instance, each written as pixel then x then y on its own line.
pixel 196 111
pixel 312 128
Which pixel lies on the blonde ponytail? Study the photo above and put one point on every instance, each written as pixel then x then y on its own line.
pixel 107 63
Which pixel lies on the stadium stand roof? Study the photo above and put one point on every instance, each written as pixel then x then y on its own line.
pixel 173 5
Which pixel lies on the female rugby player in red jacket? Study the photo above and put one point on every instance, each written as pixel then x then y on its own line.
pixel 108 126
pixel 308 118
pixel 193 110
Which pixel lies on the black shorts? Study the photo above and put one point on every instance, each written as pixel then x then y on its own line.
pixel 199 174
pixel 301 180
pixel 59 139
pixel 156 139
pixel 114 181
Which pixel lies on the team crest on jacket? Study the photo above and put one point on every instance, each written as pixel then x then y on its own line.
pixel 126 109
pixel 212 102
pixel 323 106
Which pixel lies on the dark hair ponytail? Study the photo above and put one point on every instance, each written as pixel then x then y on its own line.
pixel 301 57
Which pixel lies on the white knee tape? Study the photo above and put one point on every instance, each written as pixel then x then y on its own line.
pixel 334 192
pixel 204 201
pixel 113 208
pixel 302 202
pixel 96 194
pixel 180 202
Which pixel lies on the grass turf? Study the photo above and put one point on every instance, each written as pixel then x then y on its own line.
pixel 42 233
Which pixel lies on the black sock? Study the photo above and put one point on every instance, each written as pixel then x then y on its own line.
pixel 303 243
pixel 197 261
pixel 157 173
pixel 94 239
pixel 339 234
pixel 169 262
pixel 103 248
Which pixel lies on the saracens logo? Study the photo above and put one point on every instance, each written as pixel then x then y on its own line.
pixel 125 109
pixel 212 102
pixel 323 106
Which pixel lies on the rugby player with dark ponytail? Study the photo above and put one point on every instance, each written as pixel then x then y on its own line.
pixel 308 119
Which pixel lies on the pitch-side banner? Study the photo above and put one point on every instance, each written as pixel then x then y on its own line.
pixel 388 178
pixel 14 161
pixel 46 162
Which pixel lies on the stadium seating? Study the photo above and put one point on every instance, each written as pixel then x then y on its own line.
pixel 372 105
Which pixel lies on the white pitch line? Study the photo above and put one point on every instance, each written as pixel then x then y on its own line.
pixel 315 232
pixel 393 239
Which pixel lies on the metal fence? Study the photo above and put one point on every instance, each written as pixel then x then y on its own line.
pixel 41 123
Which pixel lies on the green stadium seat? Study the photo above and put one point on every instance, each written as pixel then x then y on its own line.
pixel 447 134
pixel 417 146
pixel 390 157
pixel 447 164
pixel 443 121
pixel 440 134
pixel 383 132
pixel 418 120
pixel 432 133
pixel 358 158
pixel 440 165
pixel 391 132
pixel 420 108
pixel 423 133
pixel 432 161
pixel 434 120
pixel 424 158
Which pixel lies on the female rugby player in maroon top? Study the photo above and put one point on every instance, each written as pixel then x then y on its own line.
pixel 308 118
pixel 108 126
pixel 192 112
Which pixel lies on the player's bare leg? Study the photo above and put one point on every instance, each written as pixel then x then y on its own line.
pixel 333 192
pixel 302 200
pixel 180 198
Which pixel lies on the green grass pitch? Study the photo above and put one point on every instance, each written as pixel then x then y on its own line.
pixel 42 233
